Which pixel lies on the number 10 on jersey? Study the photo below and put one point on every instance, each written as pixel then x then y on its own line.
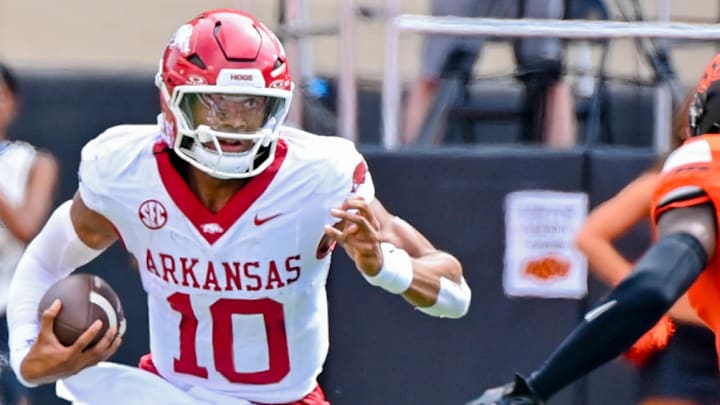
pixel 222 312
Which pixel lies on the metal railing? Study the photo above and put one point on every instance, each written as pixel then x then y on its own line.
pixel 299 50
pixel 567 29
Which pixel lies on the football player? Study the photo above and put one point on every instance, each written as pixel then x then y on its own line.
pixel 682 258
pixel 232 218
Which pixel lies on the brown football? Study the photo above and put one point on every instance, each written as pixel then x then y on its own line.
pixel 85 298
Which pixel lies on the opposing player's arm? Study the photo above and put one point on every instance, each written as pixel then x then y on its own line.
pixel 392 254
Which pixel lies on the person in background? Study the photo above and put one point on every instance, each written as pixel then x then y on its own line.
pixel 683 258
pixel 675 368
pixel 28 179
pixel 549 111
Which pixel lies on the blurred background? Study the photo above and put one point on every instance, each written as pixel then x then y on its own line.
pixel 87 65
pixel 332 41
pixel 129 36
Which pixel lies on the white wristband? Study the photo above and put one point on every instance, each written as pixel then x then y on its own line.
pixel 453 300
pixel 396 273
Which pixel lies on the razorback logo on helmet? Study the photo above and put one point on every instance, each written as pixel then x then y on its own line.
pixel 241 77
pixel 359 175
pixel 181 38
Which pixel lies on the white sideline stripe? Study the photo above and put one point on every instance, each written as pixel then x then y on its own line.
pixel 107 307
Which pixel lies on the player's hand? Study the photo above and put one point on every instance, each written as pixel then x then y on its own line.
pixel 48 360
pixel 517 392
pixel 358 232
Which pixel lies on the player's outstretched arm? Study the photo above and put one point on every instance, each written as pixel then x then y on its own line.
pixel 610 220
pixel 392 254
pixel 72 236
pixel 686 241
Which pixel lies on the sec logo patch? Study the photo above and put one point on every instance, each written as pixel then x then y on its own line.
pixel 152 214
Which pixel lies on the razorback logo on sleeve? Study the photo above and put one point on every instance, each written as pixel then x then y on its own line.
pixel 359 175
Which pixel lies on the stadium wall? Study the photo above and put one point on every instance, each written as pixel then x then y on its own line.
pixel 382 351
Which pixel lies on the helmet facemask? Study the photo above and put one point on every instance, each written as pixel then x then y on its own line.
pixel 228 131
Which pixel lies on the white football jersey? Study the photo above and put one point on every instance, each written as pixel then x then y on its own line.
pixel 236 298
pixel 16 160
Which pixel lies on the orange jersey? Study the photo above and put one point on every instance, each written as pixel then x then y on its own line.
pixel 691 176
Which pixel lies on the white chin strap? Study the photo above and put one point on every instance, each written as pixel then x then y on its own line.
pixel 227 165
pixel 222 165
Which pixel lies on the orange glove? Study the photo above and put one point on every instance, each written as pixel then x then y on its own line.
pixel 651 342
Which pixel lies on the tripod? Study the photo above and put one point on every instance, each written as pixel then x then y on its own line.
pixel 668 90
pixel 539 69
pixel 457 74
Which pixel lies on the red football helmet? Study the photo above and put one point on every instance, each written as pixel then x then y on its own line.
pixel 225 90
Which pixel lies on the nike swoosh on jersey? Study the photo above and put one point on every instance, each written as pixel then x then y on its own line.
pixel 259 221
